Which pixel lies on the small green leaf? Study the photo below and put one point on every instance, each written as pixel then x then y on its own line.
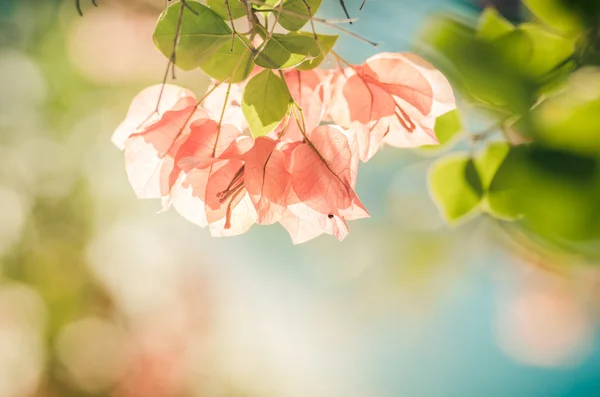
pixel 549 49
pixel 555 14
pixel 225 64
pixel 447 126
pixel 492 25
pixel 570 120
pixel 516 48
pixel 265 102
pixel 296 14
pixel 489 161
pixel 284 51
pixel 482 70
pixel 504 197
pixel 236 8
pixel 455 187
pixel 202 34
pixel 325 43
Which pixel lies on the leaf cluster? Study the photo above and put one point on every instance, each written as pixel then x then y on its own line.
pixel 539 82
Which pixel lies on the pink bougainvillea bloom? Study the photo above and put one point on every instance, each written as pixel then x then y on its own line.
pixel 199 160
pixel 151 138
pixel 324 171
pixel 267 179
pixel 206 144
pixel 215 104
pixel 143 109
pixel 306 89
pixel 392 98
pixel 304 224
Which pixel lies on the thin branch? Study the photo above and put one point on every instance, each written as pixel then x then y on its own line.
pixel 78 6
pixel 172 58
pixel 331 23
pixel 345 10
pixel 233 32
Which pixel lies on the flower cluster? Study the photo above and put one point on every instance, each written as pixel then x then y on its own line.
pixel 200 156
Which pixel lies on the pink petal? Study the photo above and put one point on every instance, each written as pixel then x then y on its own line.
pixel 206 151
pixel 205 143
pixel 214 103
pixel 413 79
pixel 361 106
pixel 238 148
pixel 421 132
pixel 149 153
pixel 186 200
pixel 304 224
pixel 267 179
pixel 227 178
pixel 243 216
pixel 143 111
pixel 323 172
pixel 306 89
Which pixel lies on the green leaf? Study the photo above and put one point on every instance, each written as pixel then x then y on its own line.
pixel 225 64
pixel 492 25
pixel 553 192
pixel 296 14
pixel 325 43
pixel 487 164
pixel 516 49
pixel 570 120
pixel 447 126
pixel 265 102
pixel 236 8
pixel 202 34
pixel 555 13
pixel 266 4
pixel 549 49
pixel 284 51
pixel 505 191
pixel 489 161
pixel 455 187
pixel 482 72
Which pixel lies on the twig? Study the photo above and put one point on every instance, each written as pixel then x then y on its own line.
pixel 78 6
pixel 345 10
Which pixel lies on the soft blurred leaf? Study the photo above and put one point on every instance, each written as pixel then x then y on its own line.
pixel 455 187
pixel 490 159
pixel 487 164
pixel 549 49
pixel 479 69
pixel 492 25
pixel 555 13
pixel 447 127
pixel 571 119
pixel 554 192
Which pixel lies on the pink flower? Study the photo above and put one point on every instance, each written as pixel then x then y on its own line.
pixel 392 98
pixel 199 158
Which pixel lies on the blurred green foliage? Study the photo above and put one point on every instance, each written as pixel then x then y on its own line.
pixel 539 82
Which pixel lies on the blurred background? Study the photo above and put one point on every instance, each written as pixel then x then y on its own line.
pixel 102 296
